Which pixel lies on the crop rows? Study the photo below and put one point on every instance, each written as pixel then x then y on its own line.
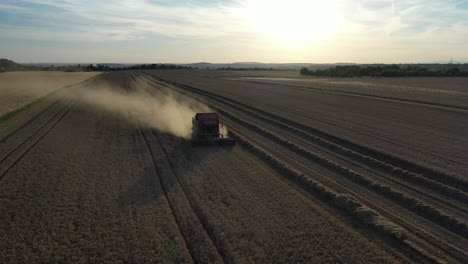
pixel 349 205
pixel 327 138
pixel 370 157
pixel 191 225
pixel 219 183
pixel 404 174
pixel 413 204
pixel 443 189
pixel 18 152
pixel 343 201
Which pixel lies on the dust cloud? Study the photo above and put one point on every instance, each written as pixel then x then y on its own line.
pixel 162 110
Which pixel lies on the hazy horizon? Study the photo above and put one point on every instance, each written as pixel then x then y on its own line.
pixel 237 62
pixel 229 31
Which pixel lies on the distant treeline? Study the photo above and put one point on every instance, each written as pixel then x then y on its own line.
pixel 8 65
pixel 101 67
pixel 390 71
pixel 156 67
pixel 246 69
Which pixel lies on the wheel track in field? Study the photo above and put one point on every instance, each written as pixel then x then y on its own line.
pixel 18 152
pixel 194 254
pixel 395 216
pixel 364 151
pixel 283 137
pixel 329 140
pixel 29 121
pixel 415 239
pixel 127 88
pixel 196 209
pixel 67 106
pixel 415 148
pixel 421 207
pixel 193 206
pixel 447 248
pixel 360 178
pixel 170 203
pixel 449 204
pixel 440 106
pixel 352 154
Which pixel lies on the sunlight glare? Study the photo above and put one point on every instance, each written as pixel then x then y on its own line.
pixel 295 22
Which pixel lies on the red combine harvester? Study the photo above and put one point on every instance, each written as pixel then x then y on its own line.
pixel 206 130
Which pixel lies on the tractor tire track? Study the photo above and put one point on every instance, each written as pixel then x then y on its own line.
pixel 327 139
pixel 414 178
pixel 451 192
pixel 410 243
pixel 417 238
pixel 199 242
pixel 170 202
pixel 440 106
pixel 202 218
pixel 213 251
pixel 16 154
pixel 237 120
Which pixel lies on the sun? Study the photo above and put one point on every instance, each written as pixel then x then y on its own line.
pixel 295 22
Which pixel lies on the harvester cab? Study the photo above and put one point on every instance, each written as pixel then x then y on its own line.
pixel 206 130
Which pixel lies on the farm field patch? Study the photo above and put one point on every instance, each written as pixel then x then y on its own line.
pixel 20 88
pixel 314 177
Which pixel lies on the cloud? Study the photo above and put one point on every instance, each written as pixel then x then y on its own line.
pixel 133 19
pixel 129 19
pixel 378 25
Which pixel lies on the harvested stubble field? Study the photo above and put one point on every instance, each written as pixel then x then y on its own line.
pixel 20 88
pixel 321 173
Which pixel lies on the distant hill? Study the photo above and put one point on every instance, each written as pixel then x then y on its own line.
pixel 198 65
pixel 75 64
pixel 259 65
pixel 8 65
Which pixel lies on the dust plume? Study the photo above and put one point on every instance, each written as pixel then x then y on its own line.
pixel 161 109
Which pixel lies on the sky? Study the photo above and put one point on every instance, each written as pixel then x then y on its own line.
pixel 223 31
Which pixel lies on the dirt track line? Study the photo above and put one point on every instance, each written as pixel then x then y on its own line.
pixel 193 207
pixel 391 193
pixel 28 148
pixel 442 107
pixel 384 139
pixel 415 148
pixel 402 168
pixel 30 120
pixel 367 160
pixel 171 206
pixel 385 177
pixel 202 218
pixel 35 131
pixel 381 177
pixel 453 224
pixel 125 85
pixel 416 235
pixel 376 154
pixel 301 151
pixel 332 198
pixel 429 239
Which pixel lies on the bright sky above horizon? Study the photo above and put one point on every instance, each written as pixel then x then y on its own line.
pixel 221 31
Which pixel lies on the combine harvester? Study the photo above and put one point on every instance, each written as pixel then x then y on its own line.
pixel 206 130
